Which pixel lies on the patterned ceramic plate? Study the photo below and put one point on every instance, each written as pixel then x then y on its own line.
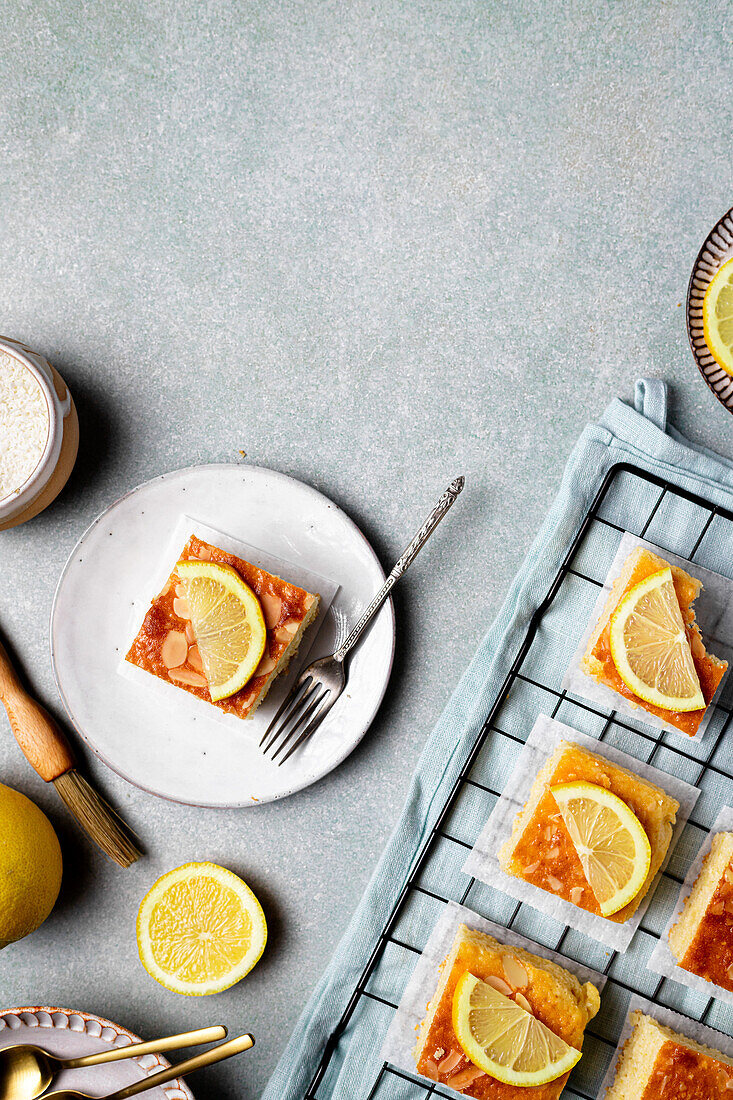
pixel 70 1034
pixel 717 249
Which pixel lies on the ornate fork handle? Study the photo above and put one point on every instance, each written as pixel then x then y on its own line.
pixel 445 503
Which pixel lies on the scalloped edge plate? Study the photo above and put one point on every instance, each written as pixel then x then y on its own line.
pixel 70 1033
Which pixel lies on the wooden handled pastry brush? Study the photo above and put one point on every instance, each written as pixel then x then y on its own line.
pixel 48 752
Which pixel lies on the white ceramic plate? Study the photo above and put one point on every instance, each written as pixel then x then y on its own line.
pixel 183 754
pixel 71 1034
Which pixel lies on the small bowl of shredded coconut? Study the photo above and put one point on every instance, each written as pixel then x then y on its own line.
pixel 38 433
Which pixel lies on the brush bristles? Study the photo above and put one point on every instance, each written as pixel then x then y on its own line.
pixel 96 817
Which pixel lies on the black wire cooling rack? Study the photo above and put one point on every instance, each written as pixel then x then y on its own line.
pixel 628 500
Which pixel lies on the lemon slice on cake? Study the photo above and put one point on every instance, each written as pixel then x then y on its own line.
pixel 504 1040
pixel 200 929
pixel 609 839
pixel 227 623
pixel 717 317
pixel 650 647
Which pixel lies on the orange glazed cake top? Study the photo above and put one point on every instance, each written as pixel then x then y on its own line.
pixel 598 663
pixel 679 1072
pixel 555 996
pixel 540 849
pixel 166 647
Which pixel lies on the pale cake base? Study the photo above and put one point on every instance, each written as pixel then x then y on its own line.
pixel 702 938
pixel 639 1062
pixel 697 904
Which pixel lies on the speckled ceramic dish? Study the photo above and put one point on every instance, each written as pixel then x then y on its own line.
pixel 62 444
pixel 717 249
pixel 70 1034
pixel 165 740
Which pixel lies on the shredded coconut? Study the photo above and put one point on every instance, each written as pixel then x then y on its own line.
pixel 24 424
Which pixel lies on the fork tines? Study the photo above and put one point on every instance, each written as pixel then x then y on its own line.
pixel 302 710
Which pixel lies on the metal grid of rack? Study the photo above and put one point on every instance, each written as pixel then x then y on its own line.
pixel 637 501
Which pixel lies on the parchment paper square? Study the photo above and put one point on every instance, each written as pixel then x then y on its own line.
pixel 714 614
pixel 482 861
pixel 402 1035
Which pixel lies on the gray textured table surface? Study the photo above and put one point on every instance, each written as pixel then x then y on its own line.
pixel 373 245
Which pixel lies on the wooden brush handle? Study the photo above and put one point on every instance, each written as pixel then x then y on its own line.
pixel 40 739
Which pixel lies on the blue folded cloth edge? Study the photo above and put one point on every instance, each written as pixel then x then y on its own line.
pixel 636 435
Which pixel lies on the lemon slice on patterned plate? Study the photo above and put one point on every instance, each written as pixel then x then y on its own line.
pixel 717 317
pixel 504 1040
pixel 609 839
pixel 227 622
pixel 200 929
pixel 650 647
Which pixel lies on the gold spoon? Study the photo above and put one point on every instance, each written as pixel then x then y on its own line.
pixel 27 1071
pixel 216 1054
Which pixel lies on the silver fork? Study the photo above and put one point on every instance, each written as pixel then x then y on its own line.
pixel 319 685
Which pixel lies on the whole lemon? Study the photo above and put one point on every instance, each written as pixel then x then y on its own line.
pixel 30 866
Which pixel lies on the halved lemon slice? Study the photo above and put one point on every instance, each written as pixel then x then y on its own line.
pixel 227 622
pixel 609 839
pixel 200 929
pixel 650 647
pixel 504 1040
pixel 717 317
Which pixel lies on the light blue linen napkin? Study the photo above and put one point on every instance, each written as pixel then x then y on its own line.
pixel 639 436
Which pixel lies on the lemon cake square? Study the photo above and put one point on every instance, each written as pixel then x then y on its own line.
pixel 166 646
pixel 598 661
pixel 657 1063
pixel 541 849
pixel 702 938
pixel 552 994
